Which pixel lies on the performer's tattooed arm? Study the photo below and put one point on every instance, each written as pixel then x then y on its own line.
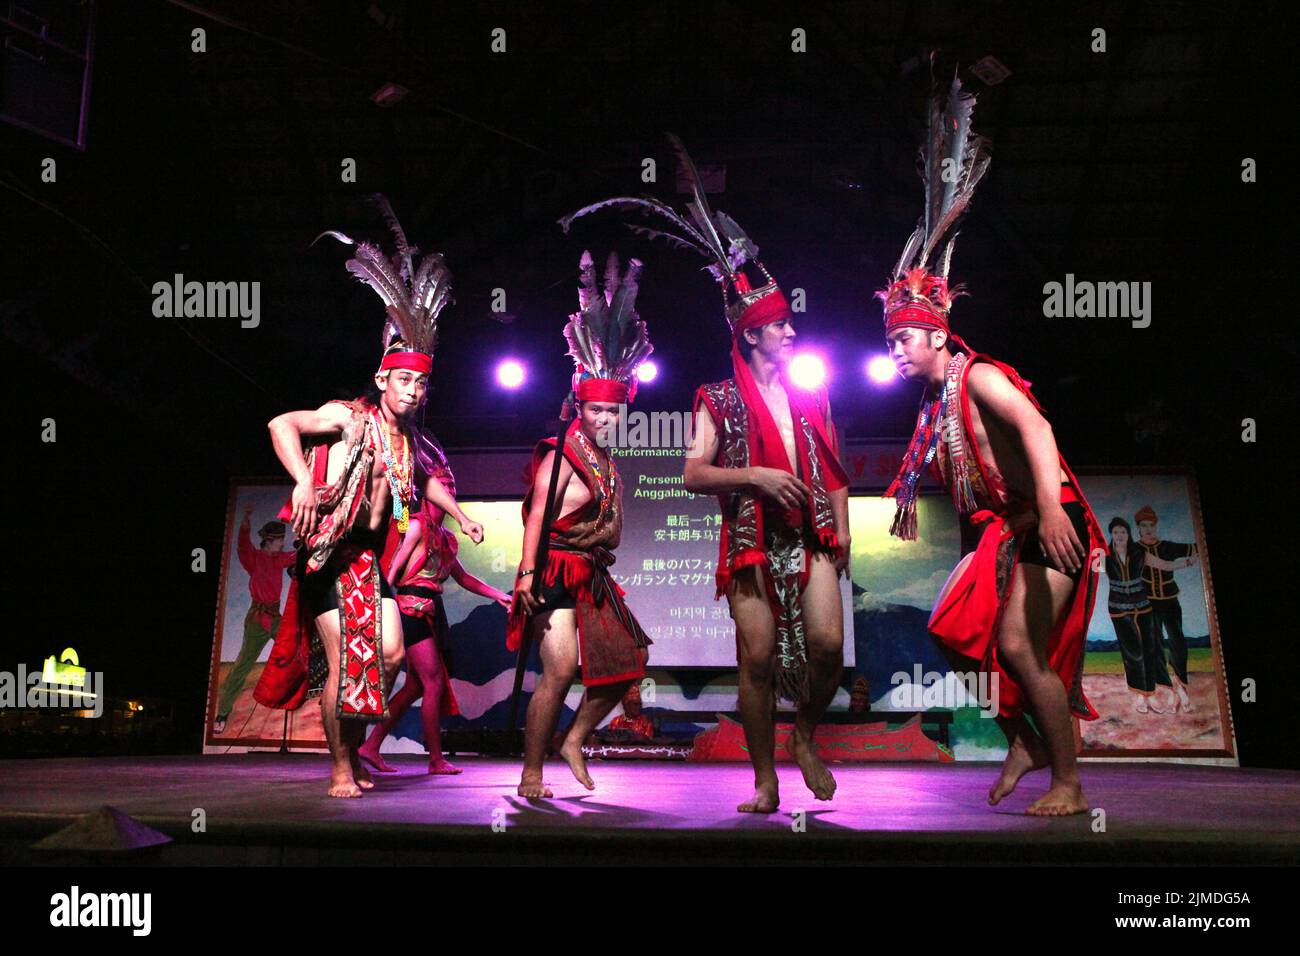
pixel 995 396
pixel 475 585
pixel 704 478
pixel 533 528
pixel 287 433
pixel 437 492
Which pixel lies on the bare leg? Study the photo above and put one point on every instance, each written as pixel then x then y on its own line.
pixel 412 690
pixel 394 654
pixel 558 638
pixel 824 625
pixel 426 660
pixel 597 702
pixel 1038 597
pixel 755 652
pixel 339 738
pixel 1025 752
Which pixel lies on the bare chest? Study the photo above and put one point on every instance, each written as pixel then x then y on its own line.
pixel 779 405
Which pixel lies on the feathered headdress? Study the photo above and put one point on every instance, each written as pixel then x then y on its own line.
pixel 413 295
pixel 953 160
pixel 714 235
pixel 607 338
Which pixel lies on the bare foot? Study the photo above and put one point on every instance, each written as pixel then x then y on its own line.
pixel 1022 757
pixel 372 757
pixel 573 756
pixel 532 787
pixel 1184 701
pixel 360 774
pixel 815 774
pixel 342 784
pixel 441 766
pixel 765 799
pixel 1060 801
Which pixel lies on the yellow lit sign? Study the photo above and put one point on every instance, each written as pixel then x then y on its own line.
pixel 66 671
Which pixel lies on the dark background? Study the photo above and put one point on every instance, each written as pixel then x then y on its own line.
pixel 223 165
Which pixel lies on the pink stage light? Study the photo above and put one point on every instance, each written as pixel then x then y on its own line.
pixel 880 369
pixel 807 370
pixel 647 372
pixel 510 374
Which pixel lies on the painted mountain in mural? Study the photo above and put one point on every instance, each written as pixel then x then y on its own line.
pixel 890 638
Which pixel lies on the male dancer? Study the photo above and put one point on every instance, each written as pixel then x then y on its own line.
pixel 1020 604
pixel 1162 559
pixel 580 615
pixel 359 471
pixel 419 569
pixel 767 448
pixel 265 565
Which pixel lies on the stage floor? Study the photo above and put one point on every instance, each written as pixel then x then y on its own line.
pixel 263 809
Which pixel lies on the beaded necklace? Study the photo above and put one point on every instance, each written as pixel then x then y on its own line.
pixel 399 473
pixel 604 483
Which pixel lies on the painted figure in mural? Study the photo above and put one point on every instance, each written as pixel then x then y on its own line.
pixel 1130 614
pixel 266 565
pixel 1163 558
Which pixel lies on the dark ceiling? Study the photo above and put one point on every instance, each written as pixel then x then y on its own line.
pixel 223 165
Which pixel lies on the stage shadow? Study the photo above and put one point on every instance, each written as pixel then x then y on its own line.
pixel 583 808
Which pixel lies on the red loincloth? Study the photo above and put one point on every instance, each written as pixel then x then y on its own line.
pixel 967 618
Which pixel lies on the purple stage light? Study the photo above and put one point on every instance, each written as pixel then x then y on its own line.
pixel 807 370
pixel 510 374
pixel 880 369
pixel 647 372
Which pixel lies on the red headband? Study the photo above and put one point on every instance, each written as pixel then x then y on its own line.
pixel 415 361
pixel 916 316
pixel 604 390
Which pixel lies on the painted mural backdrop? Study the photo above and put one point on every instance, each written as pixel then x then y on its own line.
pixel 892 664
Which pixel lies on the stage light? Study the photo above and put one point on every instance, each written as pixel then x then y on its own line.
pixel 880 369
pixel 647 372
pixel 807 370
pixel 510 374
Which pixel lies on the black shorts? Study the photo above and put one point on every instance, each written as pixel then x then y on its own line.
pixel 318 591
pixel 417 629
pixel 1031 549
pixel 556 596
